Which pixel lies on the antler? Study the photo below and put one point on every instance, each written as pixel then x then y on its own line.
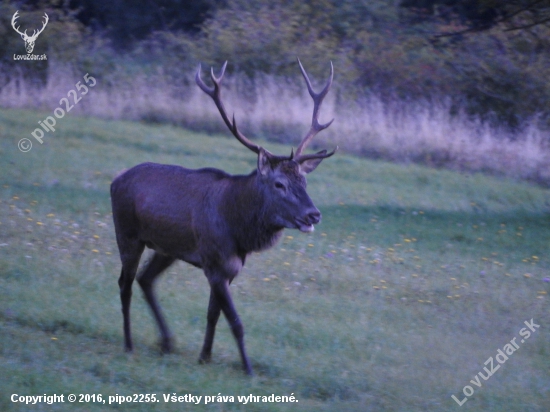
pixel 13 19
pixel 35 33
pixel 214 93
pixel 316 127
pixel 24 34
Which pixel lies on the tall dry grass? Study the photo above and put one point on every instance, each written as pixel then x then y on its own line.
pixel 280 109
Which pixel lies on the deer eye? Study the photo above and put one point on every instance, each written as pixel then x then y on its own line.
pixel 280 186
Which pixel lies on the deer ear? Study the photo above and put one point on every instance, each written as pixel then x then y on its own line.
pixel 264 163
pixel 309 165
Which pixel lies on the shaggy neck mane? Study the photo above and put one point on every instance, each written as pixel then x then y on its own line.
pixel 254 231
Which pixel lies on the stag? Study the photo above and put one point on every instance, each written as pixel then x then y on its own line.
pixel 211 219
pixel 29 40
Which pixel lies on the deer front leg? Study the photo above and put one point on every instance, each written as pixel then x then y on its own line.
pixel 220 290
pixel 212 317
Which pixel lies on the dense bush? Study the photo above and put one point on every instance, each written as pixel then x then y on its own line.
pixel 499 75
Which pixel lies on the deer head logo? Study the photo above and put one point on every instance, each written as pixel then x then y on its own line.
pixel 29 40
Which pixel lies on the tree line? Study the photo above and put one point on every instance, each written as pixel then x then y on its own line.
pixel 489 59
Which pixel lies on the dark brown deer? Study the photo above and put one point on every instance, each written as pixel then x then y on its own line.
pixel 211 219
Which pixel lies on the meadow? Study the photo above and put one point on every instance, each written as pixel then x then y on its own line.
pixel 413 279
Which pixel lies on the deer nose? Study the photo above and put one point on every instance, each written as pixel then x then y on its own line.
pixel 314 216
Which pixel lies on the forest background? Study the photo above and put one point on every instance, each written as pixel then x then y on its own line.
pixel 455 83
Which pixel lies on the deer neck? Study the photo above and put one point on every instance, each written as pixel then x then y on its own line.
pixel 251 223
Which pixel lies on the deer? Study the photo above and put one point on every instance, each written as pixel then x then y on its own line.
pixel 211 219
pixel 29 40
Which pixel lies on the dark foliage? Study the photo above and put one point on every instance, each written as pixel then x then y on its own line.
pixel 126 21
pixel 490 58
pixel 479 15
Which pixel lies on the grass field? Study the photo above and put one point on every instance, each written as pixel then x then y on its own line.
pixel 413 280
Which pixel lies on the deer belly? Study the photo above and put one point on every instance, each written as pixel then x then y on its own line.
pixel 168 238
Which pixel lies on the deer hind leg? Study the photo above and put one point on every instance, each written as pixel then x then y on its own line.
pixel 130 253
pixel 220 290
pixel 146 280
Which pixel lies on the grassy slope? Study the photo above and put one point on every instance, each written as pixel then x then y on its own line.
pixel 413 279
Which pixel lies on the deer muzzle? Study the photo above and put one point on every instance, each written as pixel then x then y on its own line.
pixel 310 218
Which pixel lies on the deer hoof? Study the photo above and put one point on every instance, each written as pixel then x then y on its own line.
pixel 205 358
pixel 166 346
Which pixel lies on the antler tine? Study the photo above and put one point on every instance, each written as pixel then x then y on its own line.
pixel 214 93
pixel 316 127
pixel 319 155
pixel 217 80
pixel 37 32
pixel 13 22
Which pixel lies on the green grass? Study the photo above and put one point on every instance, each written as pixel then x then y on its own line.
pixel 414 278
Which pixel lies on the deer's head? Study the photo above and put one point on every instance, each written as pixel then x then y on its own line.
pixel 282 178
pixel 29 40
